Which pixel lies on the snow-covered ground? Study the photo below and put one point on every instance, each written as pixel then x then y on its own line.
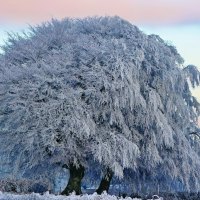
pixel 47 196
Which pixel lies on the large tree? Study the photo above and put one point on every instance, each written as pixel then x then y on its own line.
pixel 97 90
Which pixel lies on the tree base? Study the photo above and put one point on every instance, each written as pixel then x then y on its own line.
pixel 105 182
pixel 74 183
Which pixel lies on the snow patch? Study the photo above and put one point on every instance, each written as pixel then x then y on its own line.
pixel 47 196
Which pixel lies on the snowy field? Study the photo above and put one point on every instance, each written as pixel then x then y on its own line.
pixel 47 196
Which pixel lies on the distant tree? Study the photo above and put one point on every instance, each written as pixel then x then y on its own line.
pixel 74 92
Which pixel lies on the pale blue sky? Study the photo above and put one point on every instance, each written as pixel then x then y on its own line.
pixel 177 21
pixel 186 38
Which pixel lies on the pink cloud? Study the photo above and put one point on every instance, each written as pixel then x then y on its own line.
pixel 138 11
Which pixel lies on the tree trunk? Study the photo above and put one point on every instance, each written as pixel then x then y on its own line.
pixel 105 182
pixel 74 183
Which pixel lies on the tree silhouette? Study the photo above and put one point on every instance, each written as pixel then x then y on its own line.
pixel 97 90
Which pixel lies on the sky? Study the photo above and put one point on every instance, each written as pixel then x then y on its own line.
pixel 176 21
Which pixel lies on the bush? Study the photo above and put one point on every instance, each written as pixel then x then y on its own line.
pixel 23 186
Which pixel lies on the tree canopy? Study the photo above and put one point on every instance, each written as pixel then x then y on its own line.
pixel 97 90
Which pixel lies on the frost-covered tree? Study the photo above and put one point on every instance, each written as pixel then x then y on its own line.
pixel 97 91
